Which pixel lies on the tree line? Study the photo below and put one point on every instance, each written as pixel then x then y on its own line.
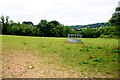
pixel 55 29
pixel 43 28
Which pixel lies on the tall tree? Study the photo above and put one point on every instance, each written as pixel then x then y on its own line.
pixel 42 26
pixel 54 28
pixel 2 20
pixel 1 27
pixel 7 19
pixel 115 19
pixel 4 28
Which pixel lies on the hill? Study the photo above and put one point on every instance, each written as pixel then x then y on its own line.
pixel 96 25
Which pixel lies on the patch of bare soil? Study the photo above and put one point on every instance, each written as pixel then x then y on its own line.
pixel 23 64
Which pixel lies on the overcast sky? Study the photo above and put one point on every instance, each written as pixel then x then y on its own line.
pixel 67 12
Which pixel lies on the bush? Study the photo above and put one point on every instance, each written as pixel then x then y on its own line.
pixel 106 36
pixel 115 51
pixel 99 47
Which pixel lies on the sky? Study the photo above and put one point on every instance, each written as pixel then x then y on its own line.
pixel 67 12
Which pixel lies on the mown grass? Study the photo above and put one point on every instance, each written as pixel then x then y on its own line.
pixel 90 55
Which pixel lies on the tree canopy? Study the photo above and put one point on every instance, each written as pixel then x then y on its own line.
pixel 115 19
pixel 54 28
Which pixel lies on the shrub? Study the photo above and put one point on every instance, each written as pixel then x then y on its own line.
pixel 99 47
pixel 68 48
pixel 106 36
pixel 115 51
pixel 88 48
pixel 85 62
pixel 98 59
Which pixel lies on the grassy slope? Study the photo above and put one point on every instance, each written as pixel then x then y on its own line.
pixel 94 54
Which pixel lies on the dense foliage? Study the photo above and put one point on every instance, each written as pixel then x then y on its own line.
pixel 44 28
pixel 53 29
pixel 115 20
pixel 107 32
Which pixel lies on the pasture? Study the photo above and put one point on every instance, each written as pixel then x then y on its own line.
pixel 53 57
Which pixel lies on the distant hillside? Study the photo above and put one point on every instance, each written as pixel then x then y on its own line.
pixel 96 25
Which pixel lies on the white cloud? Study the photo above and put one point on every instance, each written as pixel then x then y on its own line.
pixel 68 12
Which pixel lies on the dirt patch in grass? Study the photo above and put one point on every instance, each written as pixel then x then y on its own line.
pixel 25 64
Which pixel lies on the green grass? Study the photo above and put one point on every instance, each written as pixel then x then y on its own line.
pixel 93 54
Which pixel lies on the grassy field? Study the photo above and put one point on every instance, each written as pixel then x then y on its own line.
pixel 94 57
